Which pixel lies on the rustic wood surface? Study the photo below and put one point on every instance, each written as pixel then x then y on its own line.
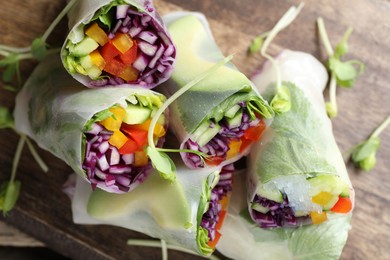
pixel 43 211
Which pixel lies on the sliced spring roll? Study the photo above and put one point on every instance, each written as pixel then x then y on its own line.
pixel 297 175
pixel 188 212
pixel 243 239
pixel 223 114
pixel 112 42
pixel 100 133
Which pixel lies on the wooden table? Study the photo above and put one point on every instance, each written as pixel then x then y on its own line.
pixel 44 211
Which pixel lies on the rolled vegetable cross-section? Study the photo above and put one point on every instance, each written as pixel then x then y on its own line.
pixel 243 240
pixel 222 115
pixel 112 42
pixel 100 133
pixel 188 212
pixel 296 174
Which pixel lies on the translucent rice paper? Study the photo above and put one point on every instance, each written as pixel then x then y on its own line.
pixel 157 208
pixel 83 11
pixel 243 239
pixel 53 109
pixel 197 52
pixel 300 142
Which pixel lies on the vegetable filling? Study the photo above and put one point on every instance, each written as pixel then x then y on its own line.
pixel 116 140
pixel 226 139
pixel 130 49
pixel 213 218
pixel 272 208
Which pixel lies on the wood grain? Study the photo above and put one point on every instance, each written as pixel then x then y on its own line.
pixel 44 211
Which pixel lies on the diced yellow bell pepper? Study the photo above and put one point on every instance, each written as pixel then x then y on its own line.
pixel 114 122
pixel 224 202
pixel 140 158
pixel 122 42
pixel 129 74
pixel 97 59
pixel 234 149
pixel 97 33
pixel 317 217
pixel 118 139
pixel 322 198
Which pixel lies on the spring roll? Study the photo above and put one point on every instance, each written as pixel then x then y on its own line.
pixel 100 133
pixel 243 239
pixel 221 116
pixel 188 212
pixel 297 175
pixel 112 42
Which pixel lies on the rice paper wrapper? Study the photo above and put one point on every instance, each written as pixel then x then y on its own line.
pixel 243 239
pixel 299 143
pixel 197 52
pixel 53 109
pixel 84 11
pixel 160 209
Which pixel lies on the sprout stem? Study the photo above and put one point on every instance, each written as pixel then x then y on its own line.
pixel 57 20
pixel 164 250
pixel 10 49
pixel 36 156
pixel 381 127
pixel 156 243
pixel 17 155
pixel 324 36
pixel 178 94
pixel 332 94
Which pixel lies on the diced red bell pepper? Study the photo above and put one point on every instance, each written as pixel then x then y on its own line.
pixel 215 160
pixel 114 67
pixel 343 205
pixel 221 219
pixel 109 52
pixel 254 133
pixel 129 147
pixel 130 56
pixel 213 243
pixel 139 136
pixel 244 144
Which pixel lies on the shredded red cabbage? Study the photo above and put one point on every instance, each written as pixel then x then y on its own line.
pixel 279 214
pixel 108 169
pixel 156 52
pixel 211 217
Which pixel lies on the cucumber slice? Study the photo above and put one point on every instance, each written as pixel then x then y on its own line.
pixel 235 121
pixel 327 183
pixel 259 208
pixel 331 203
pixel 274 195
pixel 346 192
pixel 136 114
pixel 209 134
pixel 201 129
pixel 93 72
pixel 85 47
pixel 86 62
pixel 232 111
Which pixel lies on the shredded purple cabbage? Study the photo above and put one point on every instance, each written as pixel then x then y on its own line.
pixel 219 145
pixel 156 52
pixel 279 214
pixel 211 217
pixel 108 169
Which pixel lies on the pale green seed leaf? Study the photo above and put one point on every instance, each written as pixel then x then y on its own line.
pixel 368 163
pixel 256 44
pixel 281 102
pixel 11 196
pixel 10 59
pixel 9 72
pixel 365 149
pixel 39 49
pixel 6 119
pixel 162 163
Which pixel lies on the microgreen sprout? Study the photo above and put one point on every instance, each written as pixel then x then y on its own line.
pixel 281 102
pixel 9 190
pixel 363 154
pixel 343 73
pixel 37 50
pixel 164 246
pixel 160 160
